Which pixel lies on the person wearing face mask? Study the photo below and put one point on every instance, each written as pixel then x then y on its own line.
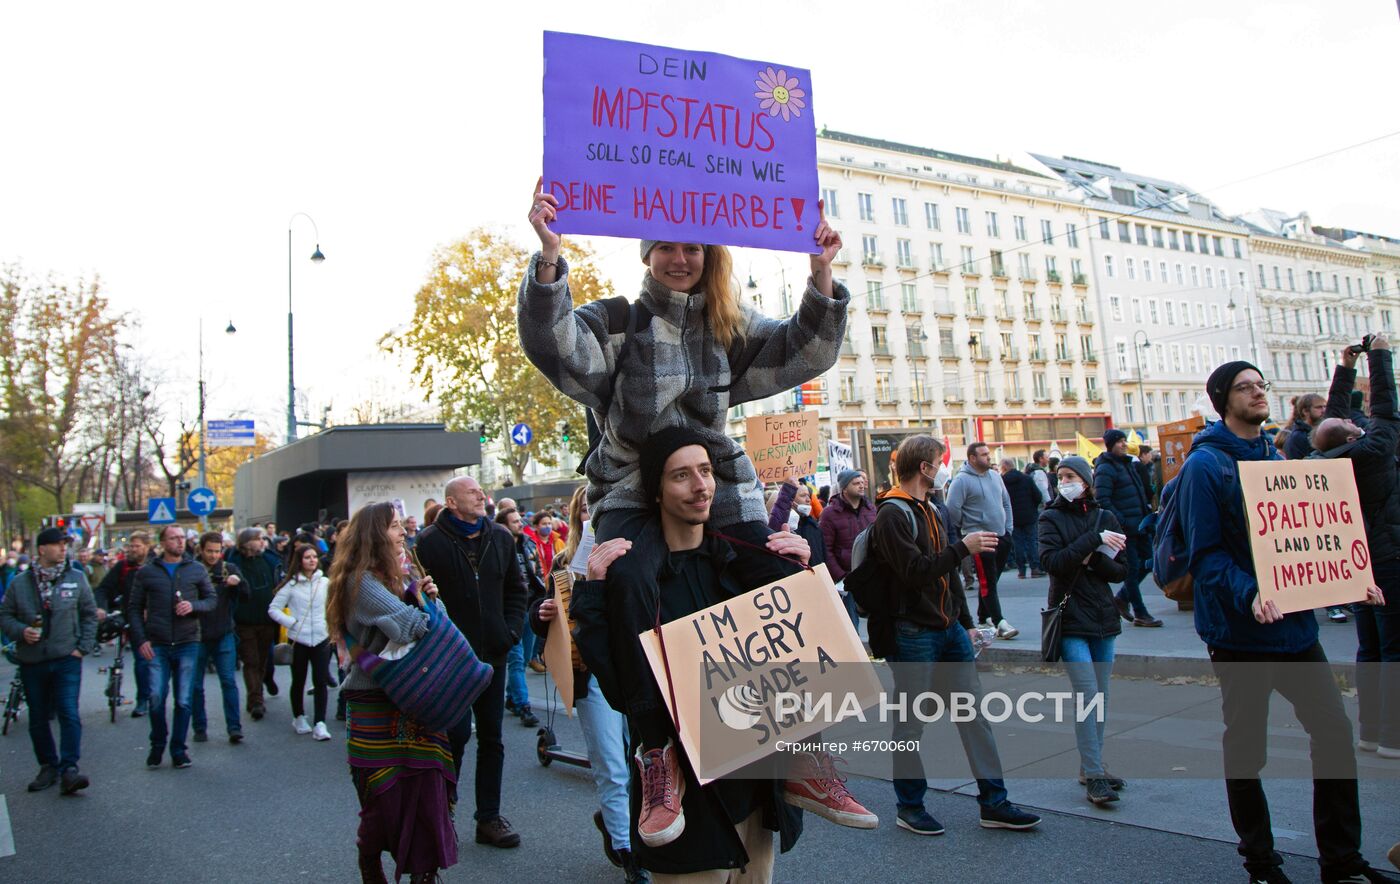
pixel 1080 548
pixel 801 523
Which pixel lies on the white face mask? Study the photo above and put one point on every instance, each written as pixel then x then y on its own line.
pixel 804 509
pixel 1071 490
pixel 792 521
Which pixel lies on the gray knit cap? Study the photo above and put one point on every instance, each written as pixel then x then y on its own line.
pixel 647 246
pixel 1080 466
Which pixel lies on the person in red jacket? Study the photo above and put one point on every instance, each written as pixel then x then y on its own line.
pixel 848 513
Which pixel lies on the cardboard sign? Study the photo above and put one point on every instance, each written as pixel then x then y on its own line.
pixel 658 143
pixel 558 647
pixel 1174 443
pixel 782 445
pixel 735 666
pixel 839 458
pixel 1306 533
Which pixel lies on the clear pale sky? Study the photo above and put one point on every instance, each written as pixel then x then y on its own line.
pixel 165 145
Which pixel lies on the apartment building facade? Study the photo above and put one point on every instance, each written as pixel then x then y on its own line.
pixel 972 300
pixel 1171 276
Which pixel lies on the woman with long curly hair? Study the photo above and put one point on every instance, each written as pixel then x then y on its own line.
pixel 403 773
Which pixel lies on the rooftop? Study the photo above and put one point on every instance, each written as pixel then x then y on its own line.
pixel 931 153
pixel 1102 181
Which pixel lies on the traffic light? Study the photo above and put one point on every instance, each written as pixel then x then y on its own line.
pixel 563 427
pixel 480 429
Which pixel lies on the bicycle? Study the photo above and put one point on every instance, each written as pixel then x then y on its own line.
pixel 15 702
pixel 113 627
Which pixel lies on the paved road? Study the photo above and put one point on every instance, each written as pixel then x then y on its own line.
pixel 280 808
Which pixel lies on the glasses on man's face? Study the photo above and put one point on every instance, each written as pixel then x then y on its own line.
pixel 1251 386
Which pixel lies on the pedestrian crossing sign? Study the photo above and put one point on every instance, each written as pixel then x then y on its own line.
pixel 160 510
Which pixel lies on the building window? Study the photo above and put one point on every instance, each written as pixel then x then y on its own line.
pixel 1124 233
pixel 1162 266
pixel 1157 237
pixel 848 386
pixel 870 247
pixel 1115 308
pixel 1176 358
pixel 1108 265
pixel 935 255
pixel 931 216
pixel 968 262
pixel 1150 400
pixel 1239 253
pixel 1121 348
pixel 1147 270
pixel 1215 314
pixel 964 220
pixel 1072 235
pixel 1292 286
pixel 832 209
pixel 1140 231
pixel 1201 315
pixel 1152 310
pixel 1169 312
pixel 1210 279
pixel 1047 232
pixel 1185 314
pixel 884 390
pixel 993 229
pixel 1219 248
pixel 1128 408
pixel 1018 227
pixel 1137 311
pixel 874 295
pixel 1263 280
pixel 1190 360
pixel 1189 241
pixel 1167 404
pixel 866 202
pixel 1278 280
pixel 904 253
pixel 1179 279
pixel 1076 269
pixel 1171 240
pixel 1103 229
pixel 1041 391
pixel 1132 268
pixel 908 297
pixel 1195 276
pixel 901 211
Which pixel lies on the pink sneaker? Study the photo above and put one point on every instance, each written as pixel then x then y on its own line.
pixel 663 786
pixel 823 791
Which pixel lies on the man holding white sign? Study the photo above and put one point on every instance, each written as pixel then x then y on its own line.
pixel 683 827
pixel 1248 637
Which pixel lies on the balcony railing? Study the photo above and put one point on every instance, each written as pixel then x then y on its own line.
pixel 1063 356
pixel 1005 313
pixel 980 354
pixel 916 349
pixel 944 308
pixel 1085 317
pixel 951 398
pixel 1011 354
pixel 872 259
pixel 1091 358
pixel 1028 276
pixel 971 270
pixel 974 311
pixel 879 349
pixel 906 263
pixel 1053 277
pixel 999 271
pixel 877 305
pixel 1037 356
pixel 1032 314
pixel 946 351
pixel 1068 396
pixel 848 349
pixel 1058 314
pixel 1079 279
pixel 1094 396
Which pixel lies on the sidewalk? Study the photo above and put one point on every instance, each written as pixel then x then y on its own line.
pixel 1172 650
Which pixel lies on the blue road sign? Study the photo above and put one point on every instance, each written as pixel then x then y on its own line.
pixel 201 501
pixel 231 432
pixel 160 510
pixel 521 434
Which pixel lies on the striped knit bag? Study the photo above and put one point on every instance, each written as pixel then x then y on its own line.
pixel 437 681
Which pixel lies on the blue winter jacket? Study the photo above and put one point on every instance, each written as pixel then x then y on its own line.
pixel 1118 489
pixel 1222 567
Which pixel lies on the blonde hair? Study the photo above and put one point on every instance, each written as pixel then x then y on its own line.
pixel 576 505
pixel 721 295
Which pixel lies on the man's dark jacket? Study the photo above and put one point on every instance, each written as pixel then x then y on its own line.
pixel 262 574
pixel 219 622
pixel 1118 488
pixel 1373 455
pixel 608 617
pixel 487 604
pixel 1025 498
pixel 150 606
pixel 922 572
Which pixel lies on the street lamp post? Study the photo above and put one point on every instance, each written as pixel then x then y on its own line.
pixel 1142 389
pixel 203 481
pixel 1248 318
pixel 918 387
pixel 317 257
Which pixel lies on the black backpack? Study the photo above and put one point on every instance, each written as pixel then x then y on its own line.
pixel 874 592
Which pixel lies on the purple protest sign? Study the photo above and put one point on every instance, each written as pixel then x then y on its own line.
pixel 656 143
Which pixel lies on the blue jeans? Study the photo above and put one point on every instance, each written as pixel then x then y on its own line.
pixel 919 644
pixel 143 678
pixel 605 734
pixel 849 601
pixel 1089 662
pixel 224 653
pixel 516 690
pixel 1023 547
pixel 177 662
pixel 52 688
pixel 1378 652
pixel 1137 556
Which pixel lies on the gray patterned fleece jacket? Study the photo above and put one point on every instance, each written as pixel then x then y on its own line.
pixel 675 373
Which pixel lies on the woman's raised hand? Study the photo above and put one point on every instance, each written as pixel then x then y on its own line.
pixel 544 208
pixel 829 241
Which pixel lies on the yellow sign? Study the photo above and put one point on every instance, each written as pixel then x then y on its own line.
pixel 782 445
pixel 1306 533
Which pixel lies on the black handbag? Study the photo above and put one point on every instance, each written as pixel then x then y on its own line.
pixel 1052 625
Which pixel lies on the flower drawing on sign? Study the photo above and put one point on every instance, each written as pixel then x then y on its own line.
pixel 778 94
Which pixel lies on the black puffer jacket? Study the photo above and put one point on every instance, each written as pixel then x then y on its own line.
pixel 1067 535
pixel 487 603
pixel 1025 497
pixel 1373 455
pixel 150 606
pixel 1118 489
